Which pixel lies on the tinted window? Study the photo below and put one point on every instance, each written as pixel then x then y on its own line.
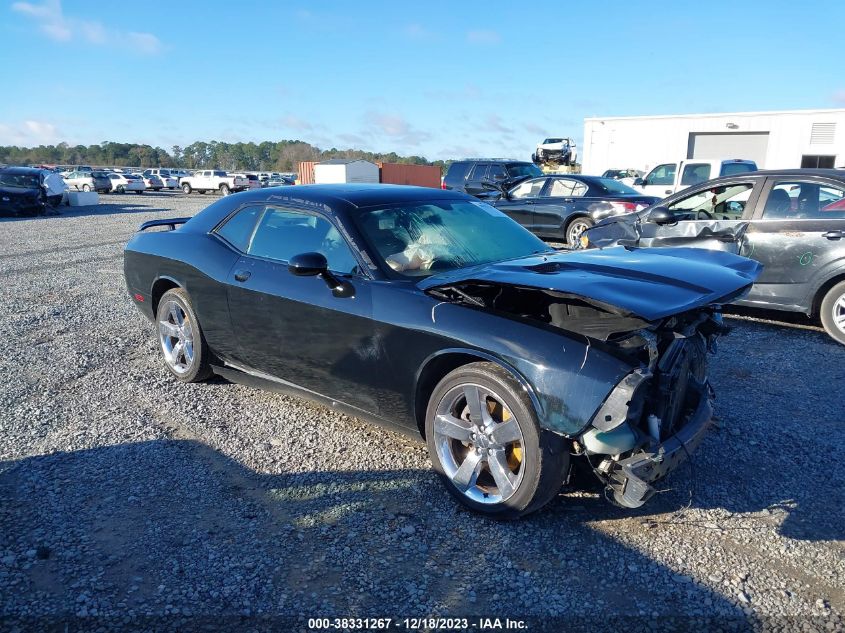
pixel 478 172
pixel 524 169
pixel 695 174
pixel 729 169
pixel 716 203
pixel 222 174
pixel 497 172
pixel 662 175
pixel 805 200
pixel 456 173
pixel 281 234
pixel 614 186
pixel 238 229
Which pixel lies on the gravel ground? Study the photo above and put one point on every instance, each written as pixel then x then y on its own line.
pixel 129 499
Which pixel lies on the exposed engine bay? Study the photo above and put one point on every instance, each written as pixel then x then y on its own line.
pixel 655 417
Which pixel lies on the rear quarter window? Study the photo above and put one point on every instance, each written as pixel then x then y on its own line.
pixel 457 173
pixel 237 230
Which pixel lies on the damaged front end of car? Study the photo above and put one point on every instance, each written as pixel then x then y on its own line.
pixel 649 309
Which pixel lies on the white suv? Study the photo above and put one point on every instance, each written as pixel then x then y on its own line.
pixel 556 150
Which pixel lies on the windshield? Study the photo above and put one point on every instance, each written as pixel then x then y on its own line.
pixel 421 239
pixel 614 186
pixel 26 181
pixel 518 170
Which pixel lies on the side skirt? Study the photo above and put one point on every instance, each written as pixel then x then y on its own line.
pixel 259 380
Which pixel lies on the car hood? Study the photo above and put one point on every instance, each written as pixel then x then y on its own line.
pixel 651 283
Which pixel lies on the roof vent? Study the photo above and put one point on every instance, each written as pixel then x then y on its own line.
pixel 822 133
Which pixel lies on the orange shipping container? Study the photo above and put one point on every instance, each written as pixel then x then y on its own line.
pixel 306 173
pixel 419 175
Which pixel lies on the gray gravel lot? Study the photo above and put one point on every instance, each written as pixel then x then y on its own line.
pixel 125 495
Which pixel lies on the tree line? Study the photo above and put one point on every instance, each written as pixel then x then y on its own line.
pixel 281 156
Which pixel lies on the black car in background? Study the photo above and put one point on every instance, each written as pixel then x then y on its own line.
pixel 791 221
pixel 561 207
pixel 479 176
pixel 432 312
pixel 25 191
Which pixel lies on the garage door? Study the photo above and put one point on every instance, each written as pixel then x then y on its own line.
pixel 748 145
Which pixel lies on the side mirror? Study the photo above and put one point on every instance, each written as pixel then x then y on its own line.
pixel 639 182
pixel 308 264
pixel 315 264
pixel 662 216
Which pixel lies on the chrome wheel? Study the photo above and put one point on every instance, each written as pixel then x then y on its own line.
pixel 839 314
pixel 176 337
pixel 573 233
pixel 479 443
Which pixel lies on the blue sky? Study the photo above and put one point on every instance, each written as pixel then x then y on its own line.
pixel 438 79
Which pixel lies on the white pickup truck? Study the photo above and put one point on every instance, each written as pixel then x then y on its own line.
pixel 213 180
pixel 668 178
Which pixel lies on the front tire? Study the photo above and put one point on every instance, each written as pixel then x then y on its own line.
pixel 180 338
pixel 86 188
pixel 186 188
pixel 832 312
pixel 486 444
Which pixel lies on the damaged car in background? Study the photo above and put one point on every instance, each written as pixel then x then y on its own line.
pixel 433 313
pixel 29 191
pixel 791 221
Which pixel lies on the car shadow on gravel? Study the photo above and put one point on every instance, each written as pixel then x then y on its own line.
pixel 173 526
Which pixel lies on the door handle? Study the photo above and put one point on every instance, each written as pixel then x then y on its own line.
pixel 834 235
pixel 242 275
pixel 668 191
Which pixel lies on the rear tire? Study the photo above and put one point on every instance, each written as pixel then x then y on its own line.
pixel 86 188
pixel 485 443
pixel 181 340
pixel 574 230
pixel 224 190
pixel 832 312
pixel 121 189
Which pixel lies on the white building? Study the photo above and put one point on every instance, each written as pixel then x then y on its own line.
pixel 338 170
pixel 774 140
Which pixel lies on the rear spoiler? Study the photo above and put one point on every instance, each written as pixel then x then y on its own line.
pixel 172 222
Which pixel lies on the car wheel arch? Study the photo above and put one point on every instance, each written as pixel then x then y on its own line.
pixel 160 286
pixel 444 361
pixel 819 294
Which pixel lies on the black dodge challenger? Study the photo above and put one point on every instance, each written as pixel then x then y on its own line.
pixel 434 313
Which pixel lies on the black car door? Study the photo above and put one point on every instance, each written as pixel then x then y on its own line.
pixel 798 234
pixel 520 201
pixel 292 327
pixel 556 204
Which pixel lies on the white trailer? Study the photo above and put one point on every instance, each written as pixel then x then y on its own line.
pixel 774 140
pixel 339 170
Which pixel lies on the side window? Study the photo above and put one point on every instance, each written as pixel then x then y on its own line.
pixel 497 172
pixel 726 202
pixel 804 200
pixel 457 173
pixel 283 233
pixel 478 172
pixel 528 189
pixel 661 175
pixel 561 188
pixel 238 229
pixel 695 173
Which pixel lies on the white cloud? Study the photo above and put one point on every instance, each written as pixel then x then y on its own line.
pixel 839 97
pixel 396 128
pixel 295 123
pixel 417 32
pixel 57 26
pixel 483 36
pixel 28 133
